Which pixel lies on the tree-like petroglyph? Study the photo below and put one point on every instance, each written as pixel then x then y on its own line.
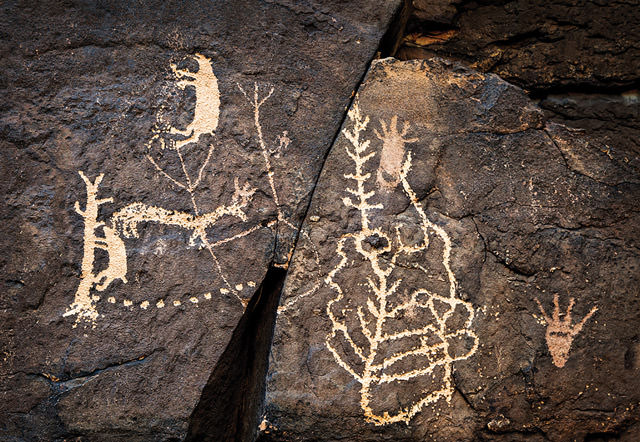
pixel 84 302
pixel 561 332
pixel 125 222
pixel 398 340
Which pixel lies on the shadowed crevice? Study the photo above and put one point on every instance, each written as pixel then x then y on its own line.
pixel 231 402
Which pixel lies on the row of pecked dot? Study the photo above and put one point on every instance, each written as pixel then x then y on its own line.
pixel 176 303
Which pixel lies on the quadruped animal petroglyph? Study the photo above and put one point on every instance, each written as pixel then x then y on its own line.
pixel 83 304
pixel 207 109
pixel 125 222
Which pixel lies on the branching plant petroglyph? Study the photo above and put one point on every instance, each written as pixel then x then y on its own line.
pixel 125 223
pixel 397 341
pixel 256 103
pixel 560 332
pixel 84 302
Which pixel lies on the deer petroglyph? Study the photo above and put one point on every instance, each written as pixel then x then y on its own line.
pixel 127 222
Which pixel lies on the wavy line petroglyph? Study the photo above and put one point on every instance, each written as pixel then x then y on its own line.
pixel 560 332
pixel 124 223
pixel 428 353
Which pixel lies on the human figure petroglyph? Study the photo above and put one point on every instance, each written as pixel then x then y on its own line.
pixel 392 153
pixel 364 331
pixel 560 332
pixel 207 110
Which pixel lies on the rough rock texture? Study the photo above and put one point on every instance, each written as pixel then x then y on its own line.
pixel 580 59
pixel 115 311
pixel 452 231
pixel 534 44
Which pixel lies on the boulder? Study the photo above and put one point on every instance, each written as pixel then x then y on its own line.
pixel 468 271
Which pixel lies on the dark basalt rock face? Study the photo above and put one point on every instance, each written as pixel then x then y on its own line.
pixel 498 303
pixel 451 254
pixel 580 59
pixel 208 123
pixel 537 45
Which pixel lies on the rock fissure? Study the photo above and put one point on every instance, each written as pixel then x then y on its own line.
pixel 229 407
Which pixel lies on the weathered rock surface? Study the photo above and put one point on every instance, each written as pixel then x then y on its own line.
pixel 579 59
pixel 210 122
pixel 537 45
pixel 468 271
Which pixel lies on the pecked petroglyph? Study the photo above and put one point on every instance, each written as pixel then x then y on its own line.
pixel 84 302
pixel 560 332
pixel 207 109
pixel 370 339
pixel 128 218
pixel 125 222
pixel 392 153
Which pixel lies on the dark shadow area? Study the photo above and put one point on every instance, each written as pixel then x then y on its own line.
pixel 392 39
pixel 231 402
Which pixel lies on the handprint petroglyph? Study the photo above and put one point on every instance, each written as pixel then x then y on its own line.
pixel 560 332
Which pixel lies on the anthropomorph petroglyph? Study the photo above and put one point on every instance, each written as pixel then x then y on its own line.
pixel 392 153
pixel 125 222
pixel 560 332
pixel 390 334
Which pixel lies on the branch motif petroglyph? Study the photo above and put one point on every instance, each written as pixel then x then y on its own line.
pixel 368 338
pixel 124 223
pixel 83 304
pixel 560 332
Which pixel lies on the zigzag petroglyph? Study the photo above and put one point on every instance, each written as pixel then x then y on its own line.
pixel 368 337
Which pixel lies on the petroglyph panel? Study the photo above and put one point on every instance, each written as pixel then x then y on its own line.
pixel 445 223
pixel 412 334
pixel 157 159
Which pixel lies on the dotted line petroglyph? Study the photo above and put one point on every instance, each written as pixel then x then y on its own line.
pixel 125 222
